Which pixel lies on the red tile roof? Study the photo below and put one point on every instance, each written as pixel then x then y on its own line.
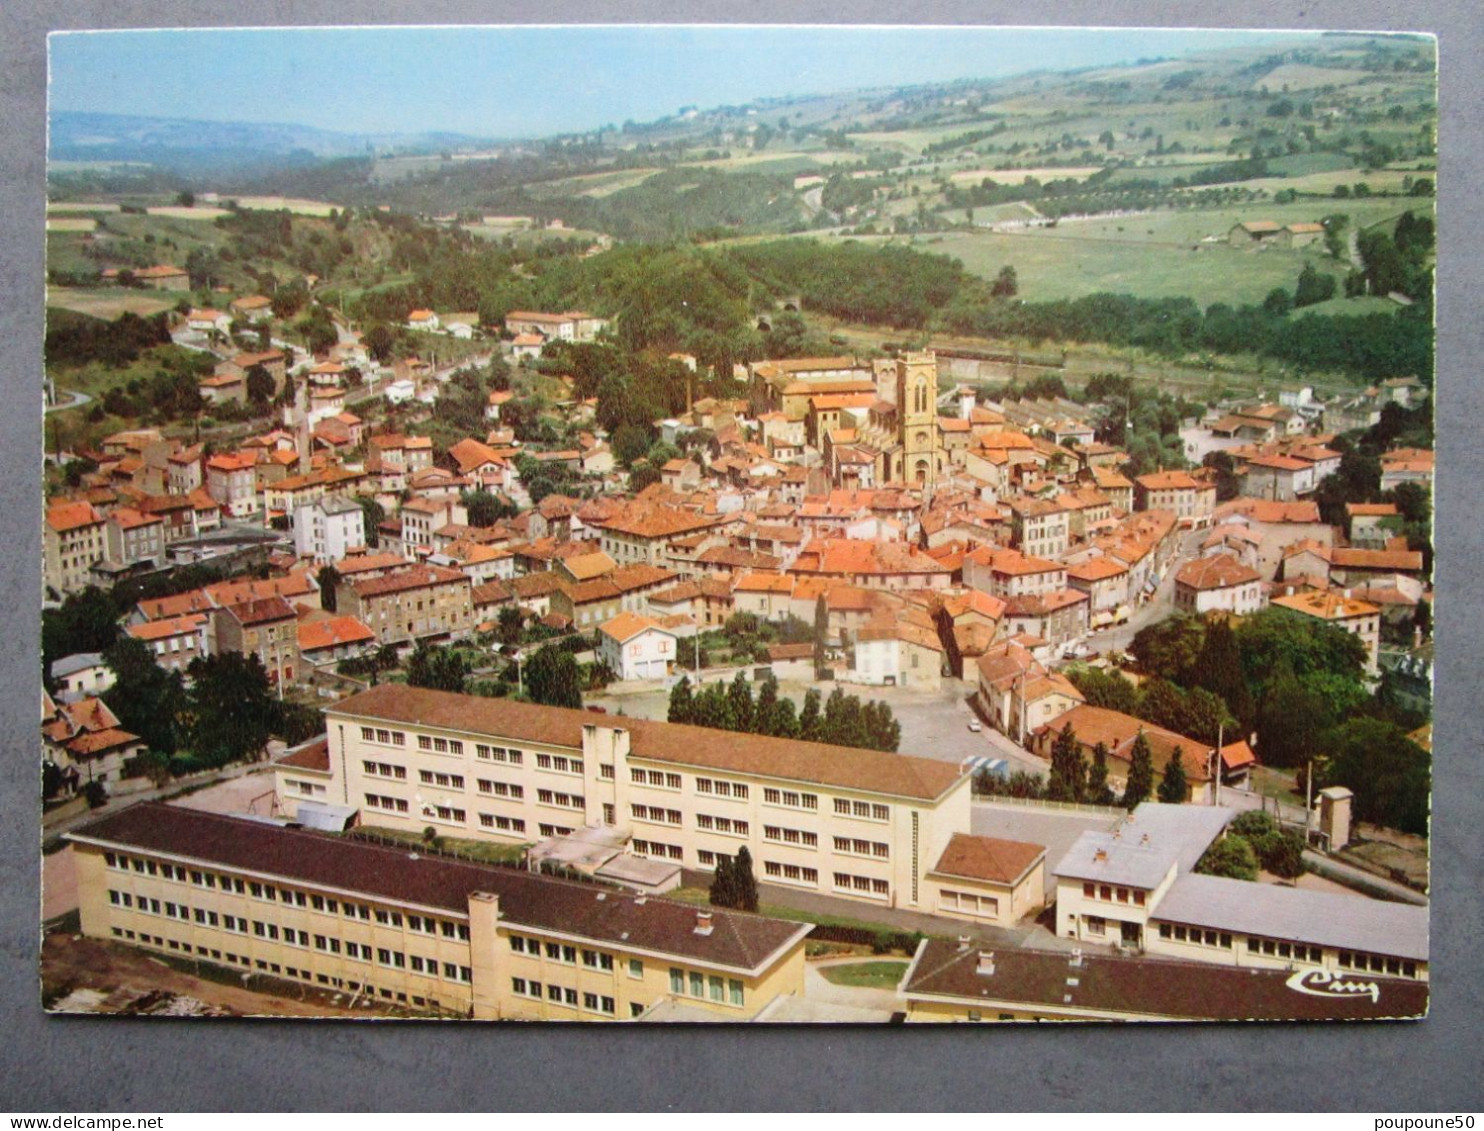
pixel 988 858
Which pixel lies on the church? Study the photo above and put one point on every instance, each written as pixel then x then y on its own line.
pixel 893 436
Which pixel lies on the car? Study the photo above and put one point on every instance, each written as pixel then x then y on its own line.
pixel 975 725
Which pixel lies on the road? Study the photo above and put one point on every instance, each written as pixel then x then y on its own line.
pixel 1158 607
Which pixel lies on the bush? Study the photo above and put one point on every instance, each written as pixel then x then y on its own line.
pixel 1253 824
pixel 96 793
pixel 1232 858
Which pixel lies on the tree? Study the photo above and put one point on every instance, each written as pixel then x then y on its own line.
pixel 745 881
pixel 765 711
pixel 630 442
pixel 380 342
pixel 1097 791
pixel 1170 648
pixel 1112 690
pixel 260 386
pixel 147 699
pixel 510 624
pixel 1140 773
pixel 85 622
pixel 1006 285
pixel 821 632
pixel 1068 767
pixel 739 703
pixel 681 702
pixel 882 731
pixel 329 580
pixel 486 508
pixel 723 892
pixel 374 515
pixel 435 666
pixel 1218 669
pixel 1278 302
pixel 1289 722
pixel 1174 788
pixel 809 716
pixel 1163 704
pixel 1313 286
pixel 1390 775
pixel 1231 857
pixel 552 678
pixel 229 706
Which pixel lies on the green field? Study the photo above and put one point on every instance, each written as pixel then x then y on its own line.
pixel 870 975
pixel 109 302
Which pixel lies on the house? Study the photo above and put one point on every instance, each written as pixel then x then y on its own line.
pixel 84 741
pixel 422 320
pixel 81 674
pixel 74 537
pixel 1253 233
pixel 231 479
pixel 1282 478
pixel 1105 581
pixel 1273 525
pixel 1190 498
pixel 1017 694
pixel 1218 582
pixel 1369 525
pixel 1299 235
pixel 328 640
pixel 1117 732
pixel 897 653
pixel 251 308
pixel 407 605
pixel 1056 617
pixel 329 529
pixel 1010 573
pixel 1038 527
pixel 175 641
pixel 636 647
pixel 134 536
pixel 163 277
pixel 209 321
pixel 266 627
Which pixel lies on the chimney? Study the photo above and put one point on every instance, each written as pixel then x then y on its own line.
pixel 1144 839
pixel 1076 956
pixel 986 962
pixel 703 922
pixel 1100 856
pixel 963 942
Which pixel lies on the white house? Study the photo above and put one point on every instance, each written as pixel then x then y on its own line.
pixel 328 529
pixel 422 320
pixel 636 647
pixel 1219 581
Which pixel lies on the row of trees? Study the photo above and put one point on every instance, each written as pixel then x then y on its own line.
pixel 1075 778
pixel 842 720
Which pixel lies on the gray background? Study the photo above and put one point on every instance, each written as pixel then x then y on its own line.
pixel 61 1065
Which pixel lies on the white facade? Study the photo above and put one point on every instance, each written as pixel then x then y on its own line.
pixel 645 655
pixel 328 529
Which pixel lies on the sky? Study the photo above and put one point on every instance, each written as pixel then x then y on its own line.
pixel 534 81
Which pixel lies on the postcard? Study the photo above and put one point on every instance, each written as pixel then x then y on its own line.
pixel 738 524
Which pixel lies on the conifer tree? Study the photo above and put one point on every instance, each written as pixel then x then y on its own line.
pixel 1140 774
pixel 1174 788
pixel 1068 768
pixel 682 703
pixel 1097 791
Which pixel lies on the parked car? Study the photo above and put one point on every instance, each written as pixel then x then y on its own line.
pixel 975 725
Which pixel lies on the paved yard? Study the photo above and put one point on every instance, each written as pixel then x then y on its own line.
pixel 1057 829
pixel 935 724
pixel 250 793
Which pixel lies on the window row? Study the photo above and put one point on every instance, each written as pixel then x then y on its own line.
pixel 657 850
pixel 717 788
pixel 857 847
pixel 502 789
pixel 569 955
pixel 656 814
pixel 866 810
pixel 721 825
pixel 712 987
pixel 447 781
pixel 1198 935
pixel 503 824
pixel 560 763
pixel 1377 964
pixel 790 836
pixel 1275 948
pixel 967 903
pixel 562 800
pixel 439 745
pixel 196 877
pixel 498 754
pixel 424 924
pixel 656 778
pixel 789 799
pixel 390 804
pixel 791 872
pixel 1109 894
pixel 384 770
pixel 383 737
pixel 844 881
pixel 563 995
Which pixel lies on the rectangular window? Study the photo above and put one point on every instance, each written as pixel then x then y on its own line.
pixel 677 980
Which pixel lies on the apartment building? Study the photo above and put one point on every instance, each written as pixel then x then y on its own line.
pixel 266 627
pixel 856 823
pixel 74 537
pixel 329 529
pixel 435 935
pixel 1191 499
pixel 411 604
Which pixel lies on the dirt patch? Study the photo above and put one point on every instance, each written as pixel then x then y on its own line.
pixel 1399 856
pixel 71 962
pixel 107 304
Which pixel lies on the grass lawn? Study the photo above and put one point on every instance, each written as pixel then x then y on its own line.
pixel 871 975
pixel 1272 782
pixel 480 850
pixel 109 302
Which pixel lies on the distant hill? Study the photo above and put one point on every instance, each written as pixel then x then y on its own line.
pixel 198 147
